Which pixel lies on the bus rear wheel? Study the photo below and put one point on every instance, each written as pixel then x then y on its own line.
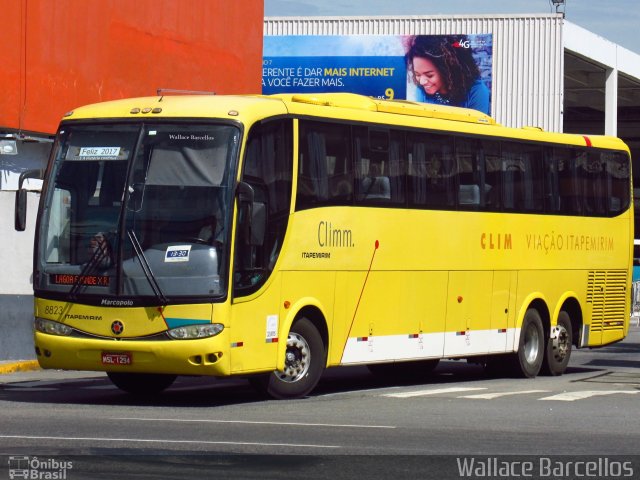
pixel 527 361
pixel 305 359
pixel 558 349
pixel 141 383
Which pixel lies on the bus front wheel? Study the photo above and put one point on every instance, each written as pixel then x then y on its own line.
pixel 305 359
pixel 528 359
pixel 558 349
pixel 141 383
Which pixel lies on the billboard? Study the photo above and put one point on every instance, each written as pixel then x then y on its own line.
pixel 444 69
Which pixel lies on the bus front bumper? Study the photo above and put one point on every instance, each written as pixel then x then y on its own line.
pixel 205 356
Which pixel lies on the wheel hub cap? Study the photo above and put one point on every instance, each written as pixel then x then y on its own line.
pixel 297 359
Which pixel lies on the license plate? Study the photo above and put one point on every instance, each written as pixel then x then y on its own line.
pixel 120 358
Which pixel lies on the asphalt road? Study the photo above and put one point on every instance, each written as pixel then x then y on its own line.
pixel 353 425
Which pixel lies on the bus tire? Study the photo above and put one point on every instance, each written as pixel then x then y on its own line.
pixel 558 351
pixel 305 359
pixel 528 359
pixel 141 383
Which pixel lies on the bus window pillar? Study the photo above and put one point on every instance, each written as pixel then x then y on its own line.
pixel 611 102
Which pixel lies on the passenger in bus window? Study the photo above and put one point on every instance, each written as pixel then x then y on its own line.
pixel 443 71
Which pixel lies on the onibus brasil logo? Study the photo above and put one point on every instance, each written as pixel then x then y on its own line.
pixel 38 468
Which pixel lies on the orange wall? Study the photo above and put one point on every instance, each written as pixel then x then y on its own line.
pixel 11 78
pixel 65 53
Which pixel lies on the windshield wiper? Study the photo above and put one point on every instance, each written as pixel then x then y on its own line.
pixel 146 269
pixel 102 251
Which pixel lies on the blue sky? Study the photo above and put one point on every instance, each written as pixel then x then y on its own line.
pixel 615 20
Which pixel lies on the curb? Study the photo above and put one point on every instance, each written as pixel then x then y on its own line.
pixel 19 366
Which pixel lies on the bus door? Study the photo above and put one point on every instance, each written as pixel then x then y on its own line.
pixel 264 202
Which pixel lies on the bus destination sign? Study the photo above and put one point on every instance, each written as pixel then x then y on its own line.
pixel 88 280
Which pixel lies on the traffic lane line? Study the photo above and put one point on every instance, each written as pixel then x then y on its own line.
pixel 433 391
pixel 164 441
pixel 252 422
pixel 491 396
pixel 582 394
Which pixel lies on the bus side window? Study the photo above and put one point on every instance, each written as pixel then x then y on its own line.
pixel 325 171
pixel 617 173
pixel 567 190
pixel 522 177
pixel 373 185
pixel 551 193
pixel 397 167
pixel 590 173
pixel 471 181
pixel 492 174
pixel 431 171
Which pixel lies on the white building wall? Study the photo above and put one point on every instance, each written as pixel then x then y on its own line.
pixel 16 285
pixel 527 55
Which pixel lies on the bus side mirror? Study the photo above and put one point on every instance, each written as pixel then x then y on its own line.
pixel 245 196
pixel 252 216
pixel 21 210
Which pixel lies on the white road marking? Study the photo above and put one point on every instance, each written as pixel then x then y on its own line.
pixel 490 396
pixel 250 422
pixel 581 395
pixel 435 391
pixel 351 392
pixel 163 441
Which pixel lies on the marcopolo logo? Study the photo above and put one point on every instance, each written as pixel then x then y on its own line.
pixel 38 468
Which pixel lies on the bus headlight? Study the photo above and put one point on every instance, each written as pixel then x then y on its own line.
pixel 51 327
pixel 196 331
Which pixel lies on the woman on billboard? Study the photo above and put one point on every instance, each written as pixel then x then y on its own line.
pixel 442 70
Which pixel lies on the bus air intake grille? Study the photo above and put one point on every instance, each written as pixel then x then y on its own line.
pixel 607 294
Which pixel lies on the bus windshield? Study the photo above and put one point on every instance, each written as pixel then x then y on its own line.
pixel 138 211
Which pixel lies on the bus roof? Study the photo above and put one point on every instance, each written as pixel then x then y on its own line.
pixel 242 108
pixel 248 109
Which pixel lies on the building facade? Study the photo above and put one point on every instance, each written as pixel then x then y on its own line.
pixel 546 71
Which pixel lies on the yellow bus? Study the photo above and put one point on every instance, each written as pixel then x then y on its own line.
pixel 272 237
